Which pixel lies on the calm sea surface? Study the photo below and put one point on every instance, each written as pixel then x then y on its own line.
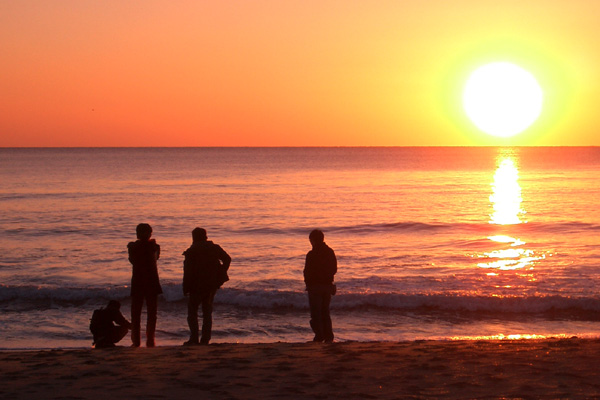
pixel 432 243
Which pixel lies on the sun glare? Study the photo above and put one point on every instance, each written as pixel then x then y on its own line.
pixel 502 99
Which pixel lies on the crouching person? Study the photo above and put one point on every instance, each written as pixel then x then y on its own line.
pixel 204 271
pixel 102 325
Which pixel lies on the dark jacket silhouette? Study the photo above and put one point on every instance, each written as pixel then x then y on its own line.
pixel 204 267
pixel 143 255
pixel 320 266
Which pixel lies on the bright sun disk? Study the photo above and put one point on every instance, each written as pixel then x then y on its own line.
pixel 502 99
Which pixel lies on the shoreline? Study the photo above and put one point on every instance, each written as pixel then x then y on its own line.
pixel 174 344
pixel 524 368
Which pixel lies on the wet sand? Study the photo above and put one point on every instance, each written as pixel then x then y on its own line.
pixel 549 368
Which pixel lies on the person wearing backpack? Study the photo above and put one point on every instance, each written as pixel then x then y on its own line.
pixel 103 328
pixel 205 268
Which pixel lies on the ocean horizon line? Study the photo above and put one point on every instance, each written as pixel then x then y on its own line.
pixel 297 147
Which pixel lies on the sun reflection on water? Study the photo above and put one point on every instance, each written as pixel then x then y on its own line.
pixel 506 202
pixel 502 336
pixel 506 197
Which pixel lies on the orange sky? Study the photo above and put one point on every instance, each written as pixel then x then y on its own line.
pixel 286 73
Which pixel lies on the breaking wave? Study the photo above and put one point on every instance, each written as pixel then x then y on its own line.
pixel 265 299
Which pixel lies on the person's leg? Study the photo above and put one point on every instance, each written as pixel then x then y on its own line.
pixel 152 309
pixel 117 333
pixel 326 317
pixel 192 317
pixel 136 314
pixel 207 309
pixel 315 303
pixel 102 340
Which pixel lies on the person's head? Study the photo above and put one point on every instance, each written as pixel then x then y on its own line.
pixel 199 235
pixel 316 237
pixel 143 231
pixel 113 305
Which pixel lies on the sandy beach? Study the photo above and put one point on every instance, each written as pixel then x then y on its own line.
pixel 550 368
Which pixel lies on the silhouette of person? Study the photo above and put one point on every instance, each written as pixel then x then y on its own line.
pixel 145 285
pixel 319 269
pixel 103 328
pixel 204 271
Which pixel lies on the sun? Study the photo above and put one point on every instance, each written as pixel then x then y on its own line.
pixel 502 99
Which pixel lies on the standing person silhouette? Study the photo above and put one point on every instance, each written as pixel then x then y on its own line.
pixel 145 285
pixel 204 271
pixel 319 269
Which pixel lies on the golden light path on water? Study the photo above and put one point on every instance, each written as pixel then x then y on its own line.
pixel 521 336
pixel 510 264
pixel 506 202
pixel 506 197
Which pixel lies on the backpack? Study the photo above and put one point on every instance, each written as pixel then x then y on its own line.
pixel 204 268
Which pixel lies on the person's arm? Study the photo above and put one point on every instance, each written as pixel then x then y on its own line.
pixel 333 263
pixel 131 252
pixel 305 272
pixel 120 319
pixel 224 257
pixel 186 274
pixel 156 250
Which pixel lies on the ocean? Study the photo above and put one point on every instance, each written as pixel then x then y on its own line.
pixel 432 242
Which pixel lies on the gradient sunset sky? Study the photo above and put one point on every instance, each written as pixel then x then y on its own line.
pixel 287 73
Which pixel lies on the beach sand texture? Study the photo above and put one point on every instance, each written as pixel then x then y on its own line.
pixel 550 368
